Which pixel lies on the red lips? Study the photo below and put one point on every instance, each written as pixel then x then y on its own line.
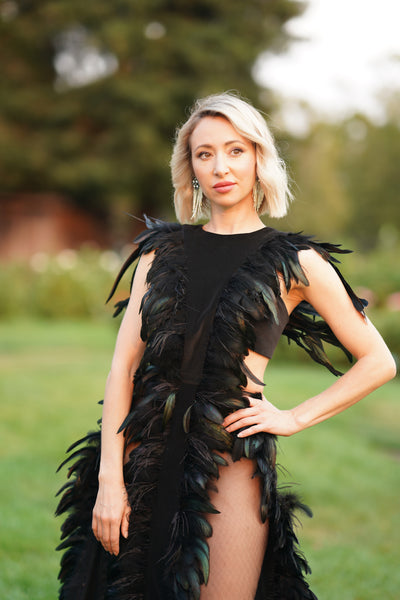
pixel 223 184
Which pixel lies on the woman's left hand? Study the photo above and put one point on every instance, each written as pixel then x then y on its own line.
pixel 261 415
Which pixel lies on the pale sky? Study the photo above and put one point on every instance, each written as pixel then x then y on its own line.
pixel 349 57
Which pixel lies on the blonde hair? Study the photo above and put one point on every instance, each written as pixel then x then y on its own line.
pixel 249 123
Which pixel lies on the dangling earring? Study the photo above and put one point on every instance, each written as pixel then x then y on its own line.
pixel 197 200
pixel 258 195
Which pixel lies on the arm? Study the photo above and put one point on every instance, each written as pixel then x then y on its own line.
pixel 374 363
pixel 111 511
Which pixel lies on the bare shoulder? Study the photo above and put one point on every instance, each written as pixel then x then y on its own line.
pixel 144 264
pixel 316 270
pixel 319 273
pixel 130 346
pixel 313 263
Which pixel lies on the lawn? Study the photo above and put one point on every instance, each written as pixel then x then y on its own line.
pixel 51 376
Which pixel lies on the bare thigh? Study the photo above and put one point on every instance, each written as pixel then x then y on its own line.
pixel 239 538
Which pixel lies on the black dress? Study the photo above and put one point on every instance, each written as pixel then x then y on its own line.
pixel 211 299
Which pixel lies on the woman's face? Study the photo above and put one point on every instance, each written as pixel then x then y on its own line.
pixel 224 163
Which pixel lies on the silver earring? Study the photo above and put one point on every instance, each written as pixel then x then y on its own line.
pixel 258 195
pixel 197 204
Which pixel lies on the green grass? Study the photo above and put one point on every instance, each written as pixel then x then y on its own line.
pixel 51 376
pixel 348 468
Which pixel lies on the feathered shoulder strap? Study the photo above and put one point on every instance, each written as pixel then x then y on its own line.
pixel 277 254
pixel 156 234
pixel 305 326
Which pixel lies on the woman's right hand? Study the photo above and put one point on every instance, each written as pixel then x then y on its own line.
pixel 111 516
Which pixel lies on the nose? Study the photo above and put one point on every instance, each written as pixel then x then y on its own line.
pixel 221 167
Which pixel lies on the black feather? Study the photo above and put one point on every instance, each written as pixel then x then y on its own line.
pixel 251 294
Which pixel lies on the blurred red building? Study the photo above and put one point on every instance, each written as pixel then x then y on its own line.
pixel 32 223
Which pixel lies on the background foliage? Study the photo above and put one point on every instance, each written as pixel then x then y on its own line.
pixel 92 93
pixel 346 179
pixel 106 143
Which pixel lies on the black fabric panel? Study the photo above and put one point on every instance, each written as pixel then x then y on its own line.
pixel 211 261
pixel 268 332
pixel 167 499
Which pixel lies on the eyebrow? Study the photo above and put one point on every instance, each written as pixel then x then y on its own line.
pixel 226 144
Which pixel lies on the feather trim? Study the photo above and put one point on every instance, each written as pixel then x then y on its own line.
pixel 251 294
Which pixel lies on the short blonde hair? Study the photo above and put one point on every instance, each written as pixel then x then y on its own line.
pixel 249 123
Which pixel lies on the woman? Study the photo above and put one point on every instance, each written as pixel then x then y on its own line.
pixel 186 505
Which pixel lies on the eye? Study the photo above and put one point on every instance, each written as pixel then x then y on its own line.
pixel 203 155
pixel 237 151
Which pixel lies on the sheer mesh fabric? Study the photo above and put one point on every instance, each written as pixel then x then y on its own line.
pixel 239 538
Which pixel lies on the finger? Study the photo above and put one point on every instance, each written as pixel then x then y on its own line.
pixel 255 401
pixel 263 404
pixel 238 414
pixel 250 413
pixel 114 537
pixel 245 422
pixel 125 523
pixel 105 533
pixel 102 535
pixel 95 528
pixel 250 431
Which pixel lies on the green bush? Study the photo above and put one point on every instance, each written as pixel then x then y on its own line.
pixel 378 271
pixel 388 324
pixel 70 284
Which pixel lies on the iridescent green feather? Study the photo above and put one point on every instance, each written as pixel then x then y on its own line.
pixel 212 413
pixel 168 409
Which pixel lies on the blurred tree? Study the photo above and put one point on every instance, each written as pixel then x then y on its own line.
pixel 347 179
pixel 92 91
pixel 370 171
pixel 321 202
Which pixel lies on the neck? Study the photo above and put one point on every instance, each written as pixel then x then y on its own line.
pixel 233 220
